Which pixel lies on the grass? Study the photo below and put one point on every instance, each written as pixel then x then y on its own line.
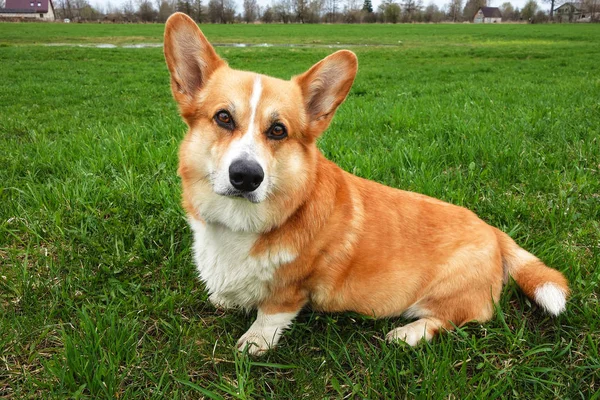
pixel 408 35
pixel 98 294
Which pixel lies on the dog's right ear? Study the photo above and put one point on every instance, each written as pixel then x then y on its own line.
pixel 190 57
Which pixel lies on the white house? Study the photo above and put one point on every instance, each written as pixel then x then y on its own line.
pixel 488 15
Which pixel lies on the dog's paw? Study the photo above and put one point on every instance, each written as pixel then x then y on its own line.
pixel 255 343
pixel 413 333
pixel 218 303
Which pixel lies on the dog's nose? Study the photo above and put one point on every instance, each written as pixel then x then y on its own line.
pixel 246 175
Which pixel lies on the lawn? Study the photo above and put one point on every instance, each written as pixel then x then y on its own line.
pixel 98 294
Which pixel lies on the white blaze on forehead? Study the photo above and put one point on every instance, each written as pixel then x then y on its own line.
pixel 246 146
pixel 254 99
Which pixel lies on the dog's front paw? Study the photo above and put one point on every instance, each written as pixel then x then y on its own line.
pixel 255 343
pixel 265 332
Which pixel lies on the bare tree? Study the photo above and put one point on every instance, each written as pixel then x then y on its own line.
pixel 268 15
pixel 314 12
pixel 593 8
pixel 198 11
pixel 146 11
pixel 553 5
pixel 250 11
pixel 331 10
pixel 129 11
pixel 455 10
pixel 215 11
pixel 410 8
pixel 283 10
pixel 66 11
pixel 164 10
pixel 300 8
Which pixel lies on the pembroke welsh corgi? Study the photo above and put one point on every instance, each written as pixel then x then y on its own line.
pixel 277 226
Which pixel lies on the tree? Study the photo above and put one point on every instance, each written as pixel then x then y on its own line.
pixel 455 10
pixel 185 7
pixel 268 15
pixel 517 14
pixel 300 8
pixel 553 5
pixel 411 7
pixel 432 13
pixel 250 11
pixel 507 11
pixel 391 11
pixel 228 11
pixel 146 11
pixel 593 8
pixel 315 9
pixel 66 11
pixel 221 11
pixel 529 9
pixel 164 10
pixel 471 7
pixel 331 10
pixel 283 10
pixel 540 16
pixel 198 11
pixel 129 11
pixel 368 6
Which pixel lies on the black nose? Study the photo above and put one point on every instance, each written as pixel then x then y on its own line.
pixel 245 175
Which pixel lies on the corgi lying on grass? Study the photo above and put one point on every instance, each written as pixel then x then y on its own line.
pixel 277 226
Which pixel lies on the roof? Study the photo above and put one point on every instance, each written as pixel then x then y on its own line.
pixel 489 12
pixel 25 6
pixel 577 6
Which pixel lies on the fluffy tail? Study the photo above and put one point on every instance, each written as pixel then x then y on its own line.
pixel 546 286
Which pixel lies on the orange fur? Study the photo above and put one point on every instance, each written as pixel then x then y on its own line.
pixel 356 245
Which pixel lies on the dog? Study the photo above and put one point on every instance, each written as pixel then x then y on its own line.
pixel 277 226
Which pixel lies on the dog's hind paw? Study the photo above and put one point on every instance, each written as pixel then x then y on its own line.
pixel 414 332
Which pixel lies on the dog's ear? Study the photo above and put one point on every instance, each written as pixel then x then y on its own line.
pixel 325 86
pixel 190 57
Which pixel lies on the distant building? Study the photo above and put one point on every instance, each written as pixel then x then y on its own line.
pixel 28 9
pixel 488 15
pixel 576 12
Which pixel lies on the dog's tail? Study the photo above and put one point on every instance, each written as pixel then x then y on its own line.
pixel 546 286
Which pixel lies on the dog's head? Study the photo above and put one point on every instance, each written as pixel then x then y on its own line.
pixel 249 156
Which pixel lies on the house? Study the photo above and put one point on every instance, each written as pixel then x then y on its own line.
pixel 577 12
pixel 487 15
pixel 41 10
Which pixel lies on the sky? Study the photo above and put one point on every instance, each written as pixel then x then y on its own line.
pixel 101 4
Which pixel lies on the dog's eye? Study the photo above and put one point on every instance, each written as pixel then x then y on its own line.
pixel 224 119
pixel 277 131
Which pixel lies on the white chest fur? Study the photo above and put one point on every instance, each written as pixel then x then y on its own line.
pixel 232 276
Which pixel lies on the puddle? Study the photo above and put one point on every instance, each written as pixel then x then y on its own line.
pixel 239 45
pixel 141 45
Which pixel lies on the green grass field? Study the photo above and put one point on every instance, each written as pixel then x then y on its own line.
pixel 98 294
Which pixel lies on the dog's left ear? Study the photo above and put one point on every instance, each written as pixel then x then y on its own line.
pixel 325 86
pixel 190 57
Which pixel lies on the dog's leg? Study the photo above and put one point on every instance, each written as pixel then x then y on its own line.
pixel 424 328
pixel 265 331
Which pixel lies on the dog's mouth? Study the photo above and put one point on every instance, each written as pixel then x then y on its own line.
pixel 250 196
